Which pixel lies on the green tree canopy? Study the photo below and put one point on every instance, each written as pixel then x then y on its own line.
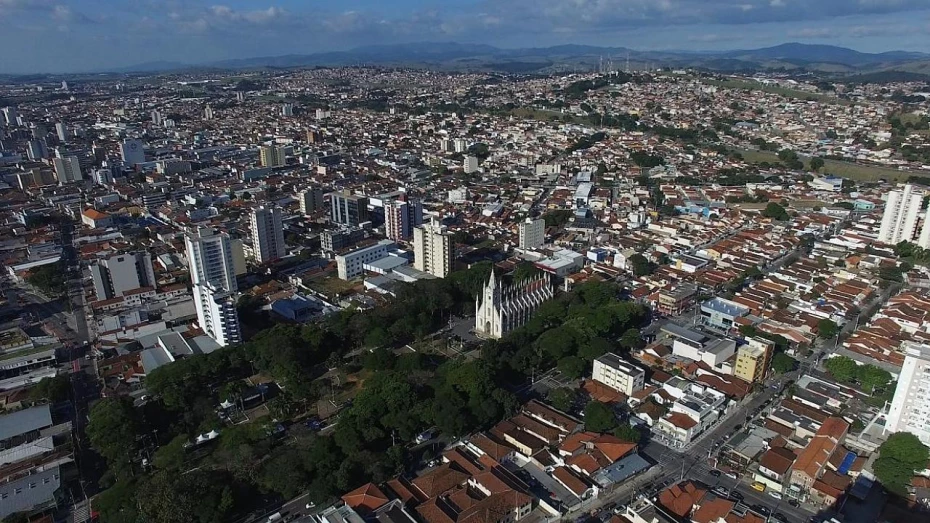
pixel 112 430
pixel 628 433
pixel 899 457
pixel 598 417
pixel 827 328
pixel 775 212
pixel 561 398
pixel 842 368
pixel 782 363
pixel 198 496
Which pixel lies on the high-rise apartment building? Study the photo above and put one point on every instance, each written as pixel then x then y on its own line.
pixel 62 131
pixel 210 259
pixel 752 359
pixel 272 156
pixel 532 233
pixel 267 234
pixel 910 408
pixel 36 149
pixel 132 152
pixel 121 273
pixel 432 249
pixel 899 221
pixel 9 115
pixel 67 169
pixel 348 209
pixel 470 164
pixel 311 200
pixel 287 109
pixel 208 113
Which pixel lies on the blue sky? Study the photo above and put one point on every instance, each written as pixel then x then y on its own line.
pixel 85 35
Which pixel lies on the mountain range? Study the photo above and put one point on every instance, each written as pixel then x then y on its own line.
pixel 456 56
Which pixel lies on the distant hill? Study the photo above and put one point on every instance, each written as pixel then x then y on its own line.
pixel 458 56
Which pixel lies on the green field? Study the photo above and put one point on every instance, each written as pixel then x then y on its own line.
pixel 853 171
pixel 774 89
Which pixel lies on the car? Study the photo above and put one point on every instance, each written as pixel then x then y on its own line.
pixel 722 491
pixel 310 505
pixel 780 517
pixel 759 509
pixel 793 503
pixel 715 473
pixel 736 495
pixel 774 494
pixel 737 427
pixel 732 475
pixel 758 486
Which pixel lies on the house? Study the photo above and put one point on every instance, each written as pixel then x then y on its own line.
pixel 96 219
pixel 813 459
pixel 774 465
pixel 680 499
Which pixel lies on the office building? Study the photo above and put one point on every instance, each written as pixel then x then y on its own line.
pixel 910 407
pixel 9 116
pixel 348 209
pixel 470 164
pixel 501 308
pixel 899 220
pixel 752 359
pixel 210 260
pixel 532 233
pixel 311 200
pixel 620 375
pixel 67 169
pixel 132 152
pixel 267 234
pixel 720 314
pixel 352 263
pixel 116 275
pixel 432 249
pixel 272 156
pixel 62 131
pixel 340 239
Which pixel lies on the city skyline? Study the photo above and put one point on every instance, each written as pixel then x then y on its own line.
pixel 92 35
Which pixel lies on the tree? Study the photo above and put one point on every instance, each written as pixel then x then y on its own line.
pixel 899 457
pixel 598 417
pixel 557 218
pixel 816 163
pixel 872 377
pixel 842 368
pixel 827 328
pixel 782 363
pixel 642 266
pixel 628 433
pixel 562 398
pixel 112 431
pixel 52 389
pixel 572 367
pixel 48 278
pixel 198 496
pixel 171 456
pixel 632 339
pixel 775 212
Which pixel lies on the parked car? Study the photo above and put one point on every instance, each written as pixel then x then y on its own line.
pixel 759 509
pixel 715 473
pixel 793 502
pixel 722 491
pixel 736 495
pixel 758 486
pixel 774 494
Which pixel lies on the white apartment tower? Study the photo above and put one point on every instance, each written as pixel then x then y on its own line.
pixel 532 233
pixel 272 156
pixel 311 200
pixel 210 259
pixel 899 221
pixel 910 408
pixel 267 234
pixel 432 249
pixel 68 169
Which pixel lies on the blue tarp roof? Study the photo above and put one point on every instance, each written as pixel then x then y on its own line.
pixel 847 463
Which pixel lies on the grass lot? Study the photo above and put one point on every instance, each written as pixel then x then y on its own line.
pixel 774 89
pixel 853 171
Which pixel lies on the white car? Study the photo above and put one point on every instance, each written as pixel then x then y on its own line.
pixel 310 505
pixel 774 494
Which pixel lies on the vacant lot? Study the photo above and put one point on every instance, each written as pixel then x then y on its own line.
pixel 853 171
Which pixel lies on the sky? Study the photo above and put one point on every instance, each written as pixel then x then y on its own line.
pixel 96 35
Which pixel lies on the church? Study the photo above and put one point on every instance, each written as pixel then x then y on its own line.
pixel 500 309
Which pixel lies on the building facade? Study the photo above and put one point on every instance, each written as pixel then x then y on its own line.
pixel 899 219
pixel 132 152
pixel 118 274
pixel 348 209
pixel 267 234
pixel 311 200
pixel 618 374
pixel 397 224
pixel 351 264
pixel 752 360
pixel 433 250
pixel 532 233
pixel 68 169
pixel 210 259
pixel 910 408
pixel 500 309
pixel 272 156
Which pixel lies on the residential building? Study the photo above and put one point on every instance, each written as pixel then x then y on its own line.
pixel 397 224
pixel 311 200
pixel 618 374
pixel 501 308
pixel 67 169
pixel 334 241
pixel 210 259
pixel 674 301
pixel 433 251
pixel 62 131
pixel 910 408
pixel 9 116
pixel 272 156
pixel 115 275
pixel 352 263
pixel 692 413
pixel 698 346
pixel 348 209
pixel 470 164
pixel 752 359
pixel 132 152
pixel 813 459
pixel 532 233
pixel 267 234
pixel 899 219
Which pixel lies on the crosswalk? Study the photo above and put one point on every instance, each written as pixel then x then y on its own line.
pixel 80 512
